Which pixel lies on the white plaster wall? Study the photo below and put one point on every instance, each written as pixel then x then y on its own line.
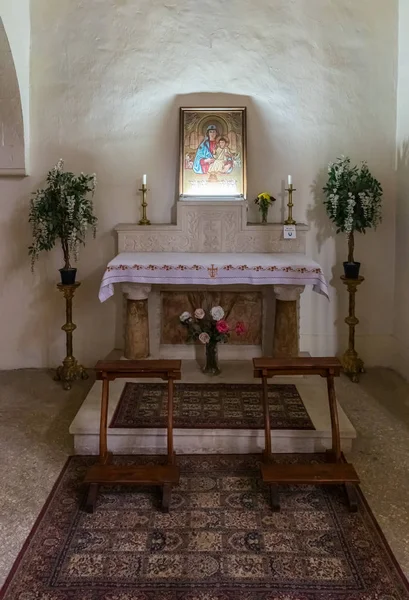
pixel 107 78
pixel 401 323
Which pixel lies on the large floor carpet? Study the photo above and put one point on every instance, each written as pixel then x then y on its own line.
pixel 220 405
pixel 219 542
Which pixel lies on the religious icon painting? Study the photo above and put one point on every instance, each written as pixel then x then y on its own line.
pixel 212 153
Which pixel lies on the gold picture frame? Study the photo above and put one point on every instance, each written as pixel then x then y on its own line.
pixel 213 154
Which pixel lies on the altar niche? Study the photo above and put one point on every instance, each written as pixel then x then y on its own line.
pixel 272 316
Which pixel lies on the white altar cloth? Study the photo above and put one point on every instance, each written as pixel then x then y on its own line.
pixel 188 268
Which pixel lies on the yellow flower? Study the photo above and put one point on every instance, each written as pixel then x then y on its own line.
pixel 264 198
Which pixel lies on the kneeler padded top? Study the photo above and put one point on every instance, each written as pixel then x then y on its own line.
pixel 163 369
pixel 142 474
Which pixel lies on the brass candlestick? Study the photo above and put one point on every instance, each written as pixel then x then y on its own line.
pixel 351 362
pixel 70 370
pixel 290 220
pixel 144 220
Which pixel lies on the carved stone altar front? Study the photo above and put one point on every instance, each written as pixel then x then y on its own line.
pixel 204 226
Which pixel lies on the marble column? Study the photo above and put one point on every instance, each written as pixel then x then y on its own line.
pixel 286 334
pixel 137 320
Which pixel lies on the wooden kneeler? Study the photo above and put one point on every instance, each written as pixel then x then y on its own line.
pixel 335 471
pixel 105 473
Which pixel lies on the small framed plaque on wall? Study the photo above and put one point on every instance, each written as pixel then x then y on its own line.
pixel 212 153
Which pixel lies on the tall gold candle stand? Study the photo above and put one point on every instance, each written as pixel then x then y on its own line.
pixel 290 190
pixel 70 370
pixel 351 362
pixel 144 220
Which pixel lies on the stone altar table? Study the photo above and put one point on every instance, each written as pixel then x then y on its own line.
pixel 211 246
pixel 288 274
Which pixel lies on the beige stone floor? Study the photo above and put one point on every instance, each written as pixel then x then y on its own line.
pixel 35 414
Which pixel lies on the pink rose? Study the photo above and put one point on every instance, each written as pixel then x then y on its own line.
pixel 204 337
pixel 240 328
pixel 222 326
pixel 199 313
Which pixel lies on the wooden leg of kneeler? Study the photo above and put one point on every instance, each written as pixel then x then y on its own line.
pixel 335 453
pixel 166 496
pixel 108 458
pixel 103 439
pixel 171 452
pixel 329 456
pixel 267 430
pixel 167 488
pixel 352 497
pixel 274 498
pixel 336 440
pixel 104 456
pixel 91 497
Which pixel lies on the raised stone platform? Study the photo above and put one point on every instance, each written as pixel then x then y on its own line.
pixel 85 427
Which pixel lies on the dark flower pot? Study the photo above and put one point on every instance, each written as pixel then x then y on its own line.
pixel 68 276
pixel 351 270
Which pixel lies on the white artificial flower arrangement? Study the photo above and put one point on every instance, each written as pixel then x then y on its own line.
pixel 209 326
pixel 353 199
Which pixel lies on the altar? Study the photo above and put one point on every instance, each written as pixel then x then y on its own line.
pixel 287 274
pixel 211 247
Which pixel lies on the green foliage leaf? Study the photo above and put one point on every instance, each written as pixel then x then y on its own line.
pixel 353 197
pixel 62 212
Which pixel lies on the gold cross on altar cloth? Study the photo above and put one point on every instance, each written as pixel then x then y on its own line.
pixel 212 271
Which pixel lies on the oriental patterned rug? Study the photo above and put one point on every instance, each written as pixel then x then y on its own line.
pixel 220 541
pixel 210 406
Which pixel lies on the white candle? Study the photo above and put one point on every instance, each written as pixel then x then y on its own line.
pixel 144 180
pixel 290 180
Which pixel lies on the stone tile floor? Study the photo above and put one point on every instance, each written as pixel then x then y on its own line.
pixel 35 414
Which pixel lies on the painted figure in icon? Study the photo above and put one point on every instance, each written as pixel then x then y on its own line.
pixel 223 159
pixel 212 156
pixel 188 161
pixel 205 152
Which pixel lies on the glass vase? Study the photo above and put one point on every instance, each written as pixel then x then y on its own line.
pixel 212 365
pixel 264 214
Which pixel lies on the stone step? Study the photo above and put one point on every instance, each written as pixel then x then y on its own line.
pixel 313 391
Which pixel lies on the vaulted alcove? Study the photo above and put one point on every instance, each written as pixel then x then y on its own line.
pixel 12 159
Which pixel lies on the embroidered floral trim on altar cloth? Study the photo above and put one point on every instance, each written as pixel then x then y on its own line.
pixel 212 270
pixel 189 268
